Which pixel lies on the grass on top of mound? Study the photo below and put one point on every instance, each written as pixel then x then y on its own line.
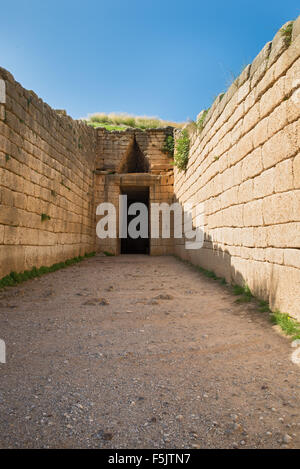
pixel 108 127
pixel 123 121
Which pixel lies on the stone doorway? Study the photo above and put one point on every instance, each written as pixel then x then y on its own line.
pixel 139 245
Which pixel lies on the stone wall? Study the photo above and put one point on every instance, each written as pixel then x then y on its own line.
pixel 113 174
pixel 46 170
pixel 245 167
pixel 114 148
pixel 54 171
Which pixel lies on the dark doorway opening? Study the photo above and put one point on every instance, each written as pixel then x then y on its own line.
pixel 138 245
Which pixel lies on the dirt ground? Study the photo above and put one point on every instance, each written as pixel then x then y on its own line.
pixel 142 352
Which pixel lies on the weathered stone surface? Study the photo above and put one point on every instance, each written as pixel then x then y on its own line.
pixel 254 207
pixel 296 29
pixel 261 59
pixel 284 176
pixel 296 171
pixel 244 166
pixel 292 258
pixel 279 44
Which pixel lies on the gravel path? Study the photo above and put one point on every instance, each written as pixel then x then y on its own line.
pixel 142 352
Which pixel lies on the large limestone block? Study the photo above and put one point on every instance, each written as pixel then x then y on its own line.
pixel 296 171
pixel 235 216
pixel 258 254
pixel 230 197
pixel 282 145
pixel 296 205
pixel 252 164
pixel 292 258
pixel 265 83
pixel 253 213
pixel 243 91
pixel 272 98
pixel 214 258
pixel 251 118
pixel 237 236
pixel 284 180
pixel 238 270
pixel 2 233
pixel 279 208
pixel 285 290
pixel 275 255
pixel 247 237
pixel 296 29
pixel 245 191
pixel 279 44
pixel 284 235
pixel 245 145
pixel 259 64
pixel 259 278
pixel 260 132
pixel 264 184
pixel 293 104
pixel 285 65
pixel 11 259
pixel 255 274
pixel 278 119
pixel 15 235
pixel 260 236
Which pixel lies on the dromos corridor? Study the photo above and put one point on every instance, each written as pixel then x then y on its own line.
pixel 142 352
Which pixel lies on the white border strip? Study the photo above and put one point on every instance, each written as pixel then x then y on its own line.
pixel 295 357
pixel 2 92
pixel 2 351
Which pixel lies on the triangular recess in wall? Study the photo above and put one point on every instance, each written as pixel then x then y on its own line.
pixel 134 160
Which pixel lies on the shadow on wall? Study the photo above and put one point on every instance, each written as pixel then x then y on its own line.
pixel 260 276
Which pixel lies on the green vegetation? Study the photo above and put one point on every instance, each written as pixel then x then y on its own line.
pixel 289 325
pixel 7 157
pixel 123 121
pixel 200 122
pixel 14 278
pixel 263 306
pixel 238 290
pixel 107 253
pixel 168 146
pixel 190 127
pixel 205 272
pixel 108 127
pixel 287 33
pixel 212 275
pixel 45 217
pixel 182 149
pixel 244 292
pixel 208 273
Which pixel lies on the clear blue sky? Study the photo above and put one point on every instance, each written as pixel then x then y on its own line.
pixel 168 58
